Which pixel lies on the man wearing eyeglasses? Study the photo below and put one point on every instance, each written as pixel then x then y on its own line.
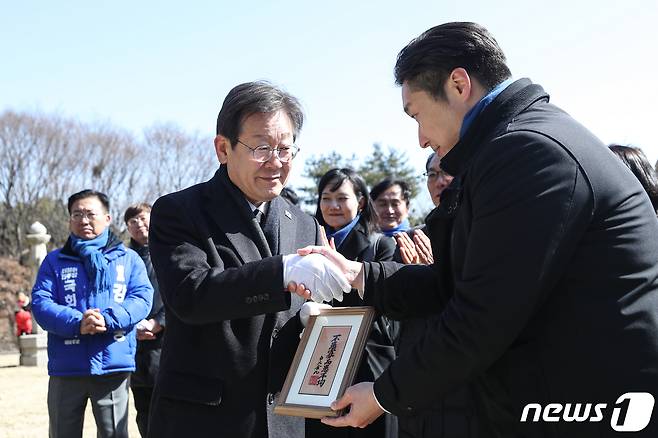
pixel 437 179
pixel 150 331
pixel 232 328
pixel 89 295
pixel 414 247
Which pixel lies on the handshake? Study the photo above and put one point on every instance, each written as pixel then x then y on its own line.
pixel 319 273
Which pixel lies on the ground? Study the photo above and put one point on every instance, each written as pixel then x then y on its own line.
pixel 23 409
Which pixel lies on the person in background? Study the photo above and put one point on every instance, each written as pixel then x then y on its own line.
pixel 23 317
pixel 89 295
pixel 345 210
pixel 290 195
pixel 437 179
pixel 151 329
pixel 635 160
pixel 391 199
pixel 414 246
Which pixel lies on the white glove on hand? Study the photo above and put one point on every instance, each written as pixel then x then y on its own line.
pixel 318 274
pixel 310 308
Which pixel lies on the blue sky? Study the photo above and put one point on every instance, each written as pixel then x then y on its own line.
pixel 139 62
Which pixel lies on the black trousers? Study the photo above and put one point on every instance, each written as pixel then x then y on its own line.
pixel 142 396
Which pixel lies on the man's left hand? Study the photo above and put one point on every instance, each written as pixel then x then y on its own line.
pixel 146 330
pixel 364 408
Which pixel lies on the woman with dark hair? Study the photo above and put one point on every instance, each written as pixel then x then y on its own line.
pixel 345 210
pixel 635 160
pixel 343 201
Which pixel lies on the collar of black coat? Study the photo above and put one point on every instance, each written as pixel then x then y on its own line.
pixel 112 241
pixel 230 210
pixel 355 243
pixel 137 247
pixel 492 122
pixel 221 181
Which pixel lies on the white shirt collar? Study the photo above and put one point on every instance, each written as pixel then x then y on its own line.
pixel 263 207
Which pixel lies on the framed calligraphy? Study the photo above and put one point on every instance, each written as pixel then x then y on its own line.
pixel 326 361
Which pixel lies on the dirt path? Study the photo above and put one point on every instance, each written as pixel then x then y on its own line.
pixel 23 409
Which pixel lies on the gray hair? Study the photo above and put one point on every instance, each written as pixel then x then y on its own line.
pixel 252 98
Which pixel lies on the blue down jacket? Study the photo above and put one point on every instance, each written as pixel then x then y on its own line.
pixel 61 295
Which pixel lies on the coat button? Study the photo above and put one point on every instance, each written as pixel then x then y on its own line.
pixel 270 398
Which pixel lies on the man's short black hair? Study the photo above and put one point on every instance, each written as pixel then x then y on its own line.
pixel 386 184
pixel 252 98
pixel 427 61
pixel 87 193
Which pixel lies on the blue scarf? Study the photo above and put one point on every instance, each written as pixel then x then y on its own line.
pixel 482 104
pixel 340 235
pixel 95 264
pixel 404 226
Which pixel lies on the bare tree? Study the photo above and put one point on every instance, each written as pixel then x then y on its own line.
pixel 177 159
pixel 44 158
pixel 113 163
pixel 36 163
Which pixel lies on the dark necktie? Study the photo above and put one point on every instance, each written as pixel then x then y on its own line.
pixel 270 226
pixel 258 215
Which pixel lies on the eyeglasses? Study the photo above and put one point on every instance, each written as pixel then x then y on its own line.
pixel 263 153
pixel 432 174
pixel 137 220
pixel 77 216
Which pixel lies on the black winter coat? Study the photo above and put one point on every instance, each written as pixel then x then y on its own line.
pixel 147 357
pixel 232 328
pixel 452 415
pixel 550 290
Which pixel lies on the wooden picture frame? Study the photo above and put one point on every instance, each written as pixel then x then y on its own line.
pixel 326 361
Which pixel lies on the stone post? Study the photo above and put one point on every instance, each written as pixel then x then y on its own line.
pixel 34 347
pixel 38 237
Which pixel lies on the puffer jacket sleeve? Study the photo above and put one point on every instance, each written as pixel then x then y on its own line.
pixel 54 317
pixel 138 301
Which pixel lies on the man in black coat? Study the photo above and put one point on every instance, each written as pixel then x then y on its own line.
pixel 150 331
pixel 232 328
pixel 547 286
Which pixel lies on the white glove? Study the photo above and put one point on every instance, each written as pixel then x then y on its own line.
pixel 318 274
pixel 310 308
